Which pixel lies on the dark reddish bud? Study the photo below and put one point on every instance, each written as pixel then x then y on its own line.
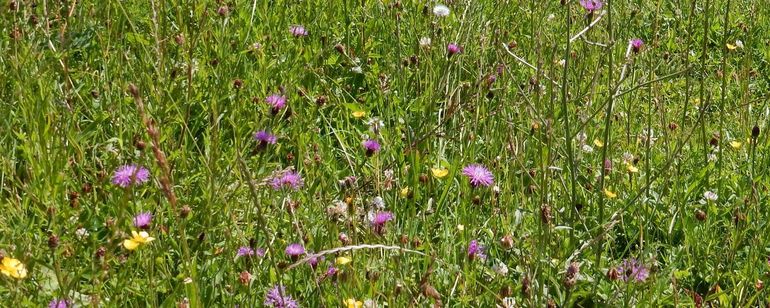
pixel 245 278
pixel 505 291
pixel 340 48
pixel 423 178
pixel 607 166
pixel 179 39
pixel 86 188
pixel 344 239
pixel 140 145
pixel 100 252
pixel 613 274
pixel 507 242
pixel 476 200
pixel 414 60
pixel 185 211
pixel 416 242
pixel 13 6
pixel 525 286
pixel 237 84
pixel 404 239
pixel 551 303
pixel 700 215
pixel 53 241
pixel 321 100
pixel 512 45
pixel 223 11
pixel 545 214
pixel 755 131
pixel 672 126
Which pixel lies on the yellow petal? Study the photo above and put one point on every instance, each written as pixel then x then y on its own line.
pixel 631 168
pixel 342 260
pixel 439 172
pixel 731 46
pixel 460 227
pixel 404 192
pixel 130 244
pixel 735 144
pixel 352 303
pixel 609 194
pixel 598 143
pixel 359 114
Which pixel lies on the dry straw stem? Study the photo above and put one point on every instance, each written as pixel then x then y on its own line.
pixel 351 248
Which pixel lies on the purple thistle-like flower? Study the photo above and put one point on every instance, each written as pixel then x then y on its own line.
pixel 264 138
pixel 260 252
pixel 313 262
pixel 124 176
pixel 244 251
pixel 475 250
pixel 289 179
pixel 277 101
pixel 371 146
pixel 298 30
pixel 294 250
pixel 591 5
pixel 58 303
pixel 379 220
pixel 478 175
pixel 143 220
pixel 331 271
pixel 636 45
pixel 277 298
pixel 633 270
pixel 453 49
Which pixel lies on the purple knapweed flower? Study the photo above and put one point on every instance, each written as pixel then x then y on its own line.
pixel 264 138
pixel 476 251
pixel 143 220
pixel 313 262
pixel 277 101
pixel 453 49
pixel 298 30
pixel 295 250
pixel 128 175
pixel 289 179
pixel 244 251
pixel 633 270
pixel 636 45
pixel 371 146
pixel 379 220
pixel 478 175
pixel 331 271
pixel 277 298
pixel 58 303
pixel 591 5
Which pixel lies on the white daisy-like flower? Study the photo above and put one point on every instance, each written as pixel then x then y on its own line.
pixel 710 195
pixel 441 10
pixel 425 42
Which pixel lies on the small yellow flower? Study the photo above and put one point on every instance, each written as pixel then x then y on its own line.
pixel 609 194
pixel 460 227
pixel 735 144
pixel 631 168
pixel 731 46
pixel 137 239
pixel 13 268
pixel 359 114
pixel 353 303
pixel 439 172
pixel 342 260
pixel 404 192
pixel 598 143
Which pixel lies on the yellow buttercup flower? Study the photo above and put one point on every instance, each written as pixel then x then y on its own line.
pixel 598 143
pixel 342 260
pixel 13 268
pixel 439 172
pixel 609 194
pixel 404 192
pixel 631 168
pixel 460 227
pixel 735 144
pixel 731 46
pixel 137 239
pixel 353 303
pixel 359 114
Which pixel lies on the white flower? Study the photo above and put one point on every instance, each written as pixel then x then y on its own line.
pixel 425 42
pixel 588 148
pixel 711 157
pixel 378 202
pixel 357 70
pixel 739 43
pixel 581 138
pixel 710 196
pixel 441 10
pixel 500 268
pixel 81 233
pixel 375 124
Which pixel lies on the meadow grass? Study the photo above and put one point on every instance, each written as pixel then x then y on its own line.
pixel 622 172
